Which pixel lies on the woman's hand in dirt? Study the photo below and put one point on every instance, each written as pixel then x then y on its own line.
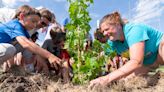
pixel 103 81
pixel 55 61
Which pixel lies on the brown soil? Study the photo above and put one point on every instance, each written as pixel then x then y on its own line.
pixel 17 80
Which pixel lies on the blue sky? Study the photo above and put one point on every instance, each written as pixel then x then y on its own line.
pixel 146 11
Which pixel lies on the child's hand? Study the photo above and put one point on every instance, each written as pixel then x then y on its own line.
pixel 40 65
pixel 55 61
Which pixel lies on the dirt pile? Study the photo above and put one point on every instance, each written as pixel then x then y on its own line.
pixel 17 80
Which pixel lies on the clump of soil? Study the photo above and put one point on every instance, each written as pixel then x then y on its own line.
pixel 17 80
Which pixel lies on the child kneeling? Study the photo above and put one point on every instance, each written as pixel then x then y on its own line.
pixel 56 46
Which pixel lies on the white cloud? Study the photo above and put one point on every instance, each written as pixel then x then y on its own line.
pixel 39 7
pixel 66 6
pixel 6 14
pixel 24 0
pixel 60 0
pixel 147 10
pixel 9 3
pixel 94 15
pixel 12 3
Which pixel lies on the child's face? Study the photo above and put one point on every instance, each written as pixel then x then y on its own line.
pixel 61 45
pixel 30 22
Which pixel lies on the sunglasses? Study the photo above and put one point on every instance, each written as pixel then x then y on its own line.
pixel 44 24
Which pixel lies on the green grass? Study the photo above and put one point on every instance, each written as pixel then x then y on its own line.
pixel 160 68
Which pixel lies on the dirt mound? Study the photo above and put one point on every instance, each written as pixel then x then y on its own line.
pixel 17 80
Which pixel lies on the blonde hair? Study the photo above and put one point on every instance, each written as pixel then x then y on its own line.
pixel 113 18
pixel 22 9
pixel 26 10
pixel 46 13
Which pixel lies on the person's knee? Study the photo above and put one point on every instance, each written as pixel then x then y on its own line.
pixel 11 51
pixel 7 51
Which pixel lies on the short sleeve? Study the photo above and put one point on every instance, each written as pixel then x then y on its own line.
pixel 137 34
pixel 15 30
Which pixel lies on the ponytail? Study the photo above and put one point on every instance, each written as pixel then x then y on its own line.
pixel 113 18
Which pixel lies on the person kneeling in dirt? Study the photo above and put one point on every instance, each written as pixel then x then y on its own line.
pixel 55 45
pixel 15 37
pixel 144 44
pixel 30 59
pixel 112 63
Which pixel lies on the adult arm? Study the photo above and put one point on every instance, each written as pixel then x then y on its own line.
pixel 136 52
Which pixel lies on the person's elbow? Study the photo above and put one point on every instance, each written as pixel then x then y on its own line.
pixel 137 63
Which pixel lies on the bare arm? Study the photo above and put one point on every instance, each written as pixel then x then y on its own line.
pixel 27 44
pixel 136 52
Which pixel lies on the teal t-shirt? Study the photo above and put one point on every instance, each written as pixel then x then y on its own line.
pixel 135 33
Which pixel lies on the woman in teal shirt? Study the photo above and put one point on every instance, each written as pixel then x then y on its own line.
pixel 144 44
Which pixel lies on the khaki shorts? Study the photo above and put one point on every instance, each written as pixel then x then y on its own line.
pixel 7 51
